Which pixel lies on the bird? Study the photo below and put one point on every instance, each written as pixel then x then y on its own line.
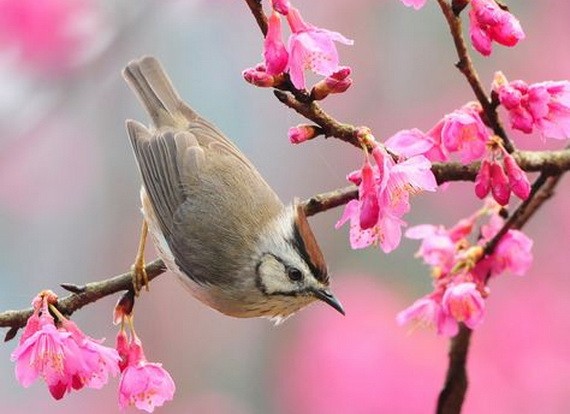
pixel 214 221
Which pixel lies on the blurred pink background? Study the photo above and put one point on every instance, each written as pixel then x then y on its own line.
pixel 69 209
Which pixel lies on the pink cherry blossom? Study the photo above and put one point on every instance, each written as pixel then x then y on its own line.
pixel 145 385
pixel 65 358
pixel 274 51
pixel 311 48
pixel 98 361
pixel 464 302
pixel 42 355
pixel 410 142
pixel 427 311
pixel 544 106
pixel 464 132
pixel 416 4
pixel 512 254
pixel 488 23
pixel 437 247
pixel 387 232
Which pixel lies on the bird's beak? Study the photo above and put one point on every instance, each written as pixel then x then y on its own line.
pixel 326 296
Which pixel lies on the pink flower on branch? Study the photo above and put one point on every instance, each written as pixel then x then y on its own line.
pixel 145 385
pixel 312 48
pixel 384 189
pixel 464 303
pixel 544 106
pixel 65 358
pixel 488 23
pixel 462 132
pixel 461 269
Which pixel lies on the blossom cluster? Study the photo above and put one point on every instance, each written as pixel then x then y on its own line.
pixel 384 193
pixel 461 270
pixel 309 47
pixel 488 23
pixel 67 359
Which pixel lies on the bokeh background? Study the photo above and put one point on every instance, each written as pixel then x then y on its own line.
pixel 69 209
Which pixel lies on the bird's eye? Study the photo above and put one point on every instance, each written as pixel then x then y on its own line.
pixel 294 274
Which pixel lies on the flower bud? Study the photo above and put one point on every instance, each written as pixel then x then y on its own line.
pixel 517 178
pixel 338 82
pixel 274 52
pixel 259 77
pixel 281 6
pixel 483 180
pixel 302 133
pixel 500 184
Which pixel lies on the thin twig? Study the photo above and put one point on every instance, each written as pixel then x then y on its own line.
pixel 465 66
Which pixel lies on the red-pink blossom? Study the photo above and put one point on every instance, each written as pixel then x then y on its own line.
pixel 513 252
pixel 488 23
pixel 463 132
pixel 97 361
pixel 410 142
pixel 312 48
pixel 145 385
pixel 65 358
pixel 464 303
pixel 384 189
pixel 274 51
pixel 544 106
pixel 416 4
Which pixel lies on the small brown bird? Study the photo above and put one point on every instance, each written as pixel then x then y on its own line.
pixel 214 220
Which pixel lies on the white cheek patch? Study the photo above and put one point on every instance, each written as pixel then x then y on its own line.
pixel 273 276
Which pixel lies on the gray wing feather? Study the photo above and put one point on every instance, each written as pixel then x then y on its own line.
pixel 196 178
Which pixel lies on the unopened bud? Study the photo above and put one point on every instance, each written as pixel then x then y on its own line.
pixel 258 77
pixel 500 184
pixel 483 180
pixel 302 133
pixel 338 82
pixel 517 178
pixel 124 307
pixel 281 6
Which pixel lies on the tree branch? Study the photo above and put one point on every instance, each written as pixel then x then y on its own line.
pixel 465 66
pixel 452 395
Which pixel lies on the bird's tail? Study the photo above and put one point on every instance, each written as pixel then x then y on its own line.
pixel 149 81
